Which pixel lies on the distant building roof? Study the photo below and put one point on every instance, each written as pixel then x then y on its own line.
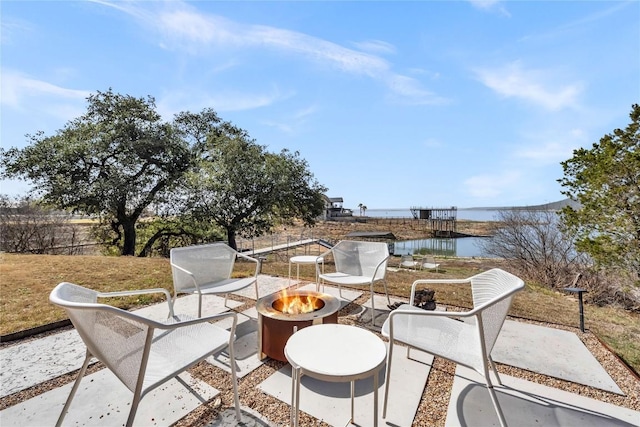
pixel 336 199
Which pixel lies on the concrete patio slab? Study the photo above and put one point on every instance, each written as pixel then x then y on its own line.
pixel 331 401
pixel 266 286
pixel 250 418
pixel 554 352
pixel 246 345
pixel 527 404
pixel 102 400
pixel 381 310
pixel 33 362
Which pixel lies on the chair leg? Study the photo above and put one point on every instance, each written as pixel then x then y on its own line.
pixel 81 373
pixel 497 407
pixel 293 396
pixel 236 399
pixel 373 308
pixel 134 408
pixel 257 296
pixel 200 305
pixel 494 397
pixel 387 380
pixel 494 368
pixel 296 416
pixel 384 282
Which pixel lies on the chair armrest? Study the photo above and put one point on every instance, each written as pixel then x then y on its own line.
pixel 435 282
pixel 248 258
pixel 323 256
pixel 140 292
pixel 326 253
pixel 400 312
pixel 154 324
pixel 375 273
pixel 187 272
pixel 432 313
pixel 190 322
pixel 320 262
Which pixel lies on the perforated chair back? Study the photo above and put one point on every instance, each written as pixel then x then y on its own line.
pixel 211 263
pixel 358 258
pixel 493 292
pixel 114 339
pixel 358 263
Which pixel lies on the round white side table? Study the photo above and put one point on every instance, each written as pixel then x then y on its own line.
pixel 304 259
pixel 335 353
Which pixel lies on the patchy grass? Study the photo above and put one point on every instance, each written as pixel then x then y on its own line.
pixel 27 280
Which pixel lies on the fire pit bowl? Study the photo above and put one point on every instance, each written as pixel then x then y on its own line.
pixel 275 325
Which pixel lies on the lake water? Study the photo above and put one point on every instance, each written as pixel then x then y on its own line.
pixel 468 214
pixel 458 247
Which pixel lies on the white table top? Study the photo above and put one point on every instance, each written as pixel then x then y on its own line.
pixel 334 352
pixel 305 259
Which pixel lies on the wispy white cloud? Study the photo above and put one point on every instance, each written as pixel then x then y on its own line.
pixel 186 29
pixel 582 22
pixel 281 126
pixel 292 123
pixel 195 31
pixel 375 46
pixel 535 86
pixel 408 90
pixel 548 152
pixel 12 29
pixel 241 101
pixel 173 102
pixel 484 4
pixel 490 5
pixel 551 146
pixel 21 92
pixel 305 112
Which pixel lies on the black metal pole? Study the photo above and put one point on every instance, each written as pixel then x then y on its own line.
pixel 581 311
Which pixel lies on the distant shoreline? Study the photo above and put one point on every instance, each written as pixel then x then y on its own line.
pixel 553 206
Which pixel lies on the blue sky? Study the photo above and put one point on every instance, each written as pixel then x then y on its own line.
pixel 393 104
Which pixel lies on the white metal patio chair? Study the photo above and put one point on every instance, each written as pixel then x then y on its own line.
pixel 357 263
pixel 207 269
pixel 407 261
pixel 141 352
pixel 467 342
pixel 428 262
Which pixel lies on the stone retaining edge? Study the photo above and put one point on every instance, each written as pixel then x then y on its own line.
pixel 34 331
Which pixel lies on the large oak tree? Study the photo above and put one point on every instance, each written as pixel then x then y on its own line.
pixel 246 190
pixel 113 162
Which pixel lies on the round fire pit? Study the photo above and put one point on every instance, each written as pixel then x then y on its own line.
pixel 275 325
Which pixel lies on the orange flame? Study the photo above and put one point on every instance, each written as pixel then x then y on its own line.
pixel 296 303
